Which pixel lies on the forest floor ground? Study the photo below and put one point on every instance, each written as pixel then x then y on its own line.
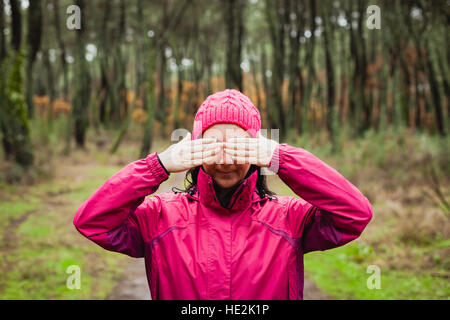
pixel 407 240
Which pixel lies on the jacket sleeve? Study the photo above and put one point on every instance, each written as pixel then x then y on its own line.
pixel 117 216
pixel 331 211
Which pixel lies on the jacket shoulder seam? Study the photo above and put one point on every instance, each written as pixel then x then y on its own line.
pixel 154 240
pixel 294 241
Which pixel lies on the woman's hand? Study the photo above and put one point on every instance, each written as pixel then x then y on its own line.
pixel 189 153
pixel 258 151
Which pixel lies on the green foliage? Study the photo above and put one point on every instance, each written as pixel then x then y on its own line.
pixel 359 252
pixel 43 242
pixel 337 273
pixel 12 210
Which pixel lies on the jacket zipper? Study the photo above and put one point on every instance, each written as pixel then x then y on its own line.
pixel 237 194
pixel 213 191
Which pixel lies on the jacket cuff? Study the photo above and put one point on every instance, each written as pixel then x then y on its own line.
pixel 275 162
pixel 168 173
pixel 156 168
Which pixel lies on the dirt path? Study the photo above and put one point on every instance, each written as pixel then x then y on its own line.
pixel 134 286
pixel 312 292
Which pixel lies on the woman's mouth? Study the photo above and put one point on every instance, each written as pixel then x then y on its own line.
pixel 225 173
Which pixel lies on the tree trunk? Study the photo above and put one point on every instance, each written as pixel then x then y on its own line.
pixel 434 86
pixel 309 62
pixel 50 81
pixel 122 62
pixel 256 82
pixel 50 87
pixel 14 123
pixel 296 30
pixel 62 48
pixel 277 36
pixel 267 89
pixel 233 15
pixel 2 34
pixel 366 109
pixel 327 34
pixel 6 149
pixel 16 21
pixel 81 96
pixel 105 84
pixel 34 42
pixel 353 82
pixel 162 105
pixel 178 56
pixel 125 117
pixel 150 91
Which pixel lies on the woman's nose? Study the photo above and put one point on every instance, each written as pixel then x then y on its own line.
pixel 225 158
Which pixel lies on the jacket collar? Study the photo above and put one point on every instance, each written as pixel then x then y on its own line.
pixel 242 198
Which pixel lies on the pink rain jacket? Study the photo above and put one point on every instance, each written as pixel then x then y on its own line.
pixel 196 249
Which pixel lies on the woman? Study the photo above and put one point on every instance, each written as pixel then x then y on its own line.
pixel 227 236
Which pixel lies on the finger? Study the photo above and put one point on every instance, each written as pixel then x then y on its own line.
pixel 241 152
pixel 202 146
pixel 241 145
pixel 187 137
pixel 259 135
pixel 212 159
pixel 253 144
pixel 201 141
pixel 195 145
pixel 241 160
pixel 197 161
pixel 204 159
pixel 240 139
pixel 207 140
pixel 205 153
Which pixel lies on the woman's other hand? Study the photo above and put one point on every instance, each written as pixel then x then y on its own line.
pixel 258 151
pixel 188 153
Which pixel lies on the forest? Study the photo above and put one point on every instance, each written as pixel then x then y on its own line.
pixel 89 86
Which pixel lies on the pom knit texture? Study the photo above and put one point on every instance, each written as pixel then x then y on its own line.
pixel 228 106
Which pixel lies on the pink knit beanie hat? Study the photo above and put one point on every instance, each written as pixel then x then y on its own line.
pixel 228 106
